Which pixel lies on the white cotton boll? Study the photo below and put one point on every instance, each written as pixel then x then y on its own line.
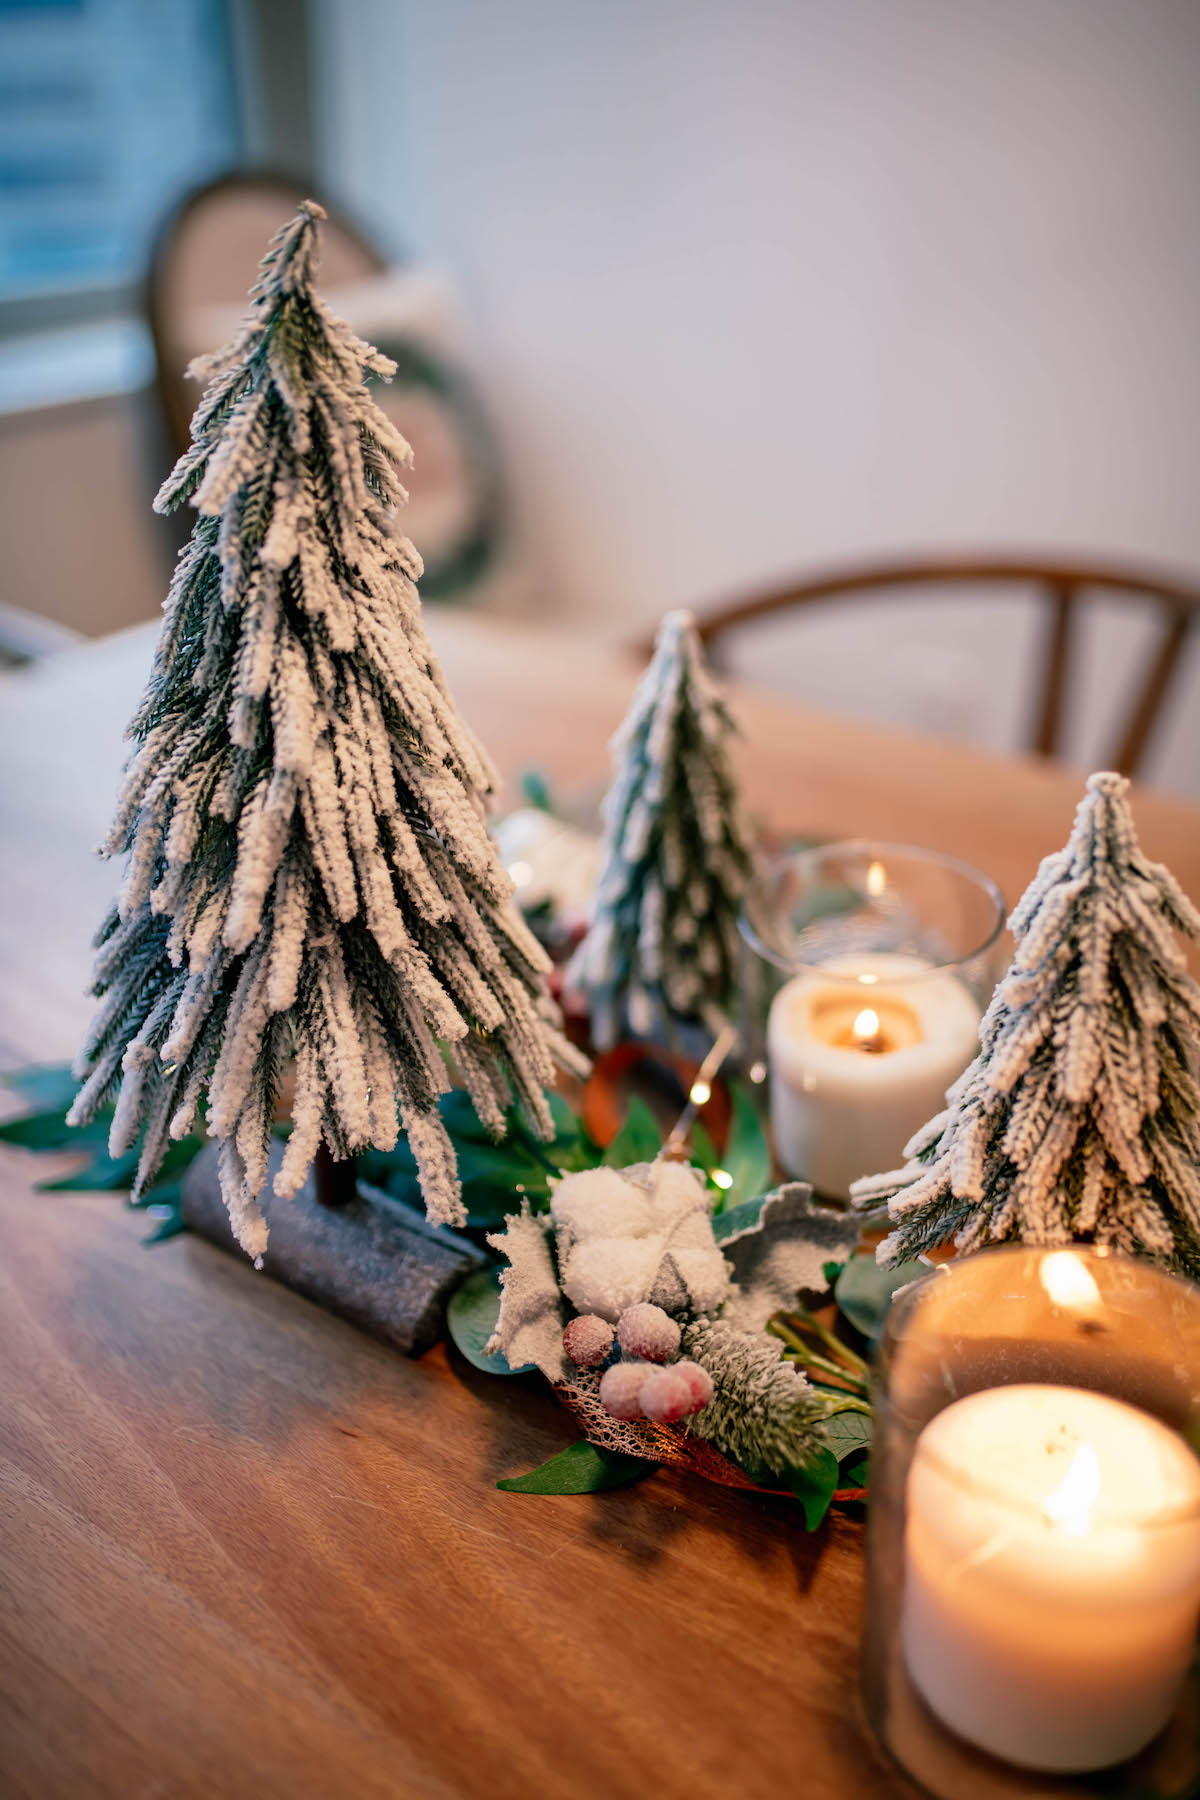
pixel 692 1230
pixel 600 1203
pixel 705 1274
pixel 605 1275
pixel 678 1189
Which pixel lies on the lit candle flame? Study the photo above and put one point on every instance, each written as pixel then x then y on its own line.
pixel 1068 1282
pixel 1071 1503
pixel 876 879
pixel 866 1027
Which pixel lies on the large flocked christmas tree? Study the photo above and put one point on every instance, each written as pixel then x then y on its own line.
pixel 1080 1117
pixel 311 887
pixel 662 945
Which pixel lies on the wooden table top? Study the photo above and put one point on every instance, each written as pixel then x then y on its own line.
pixel 244 1550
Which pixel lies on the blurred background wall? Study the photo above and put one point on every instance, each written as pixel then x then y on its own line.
pixel 755 288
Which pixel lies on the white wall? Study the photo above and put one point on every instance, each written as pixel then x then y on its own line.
pixel 760 285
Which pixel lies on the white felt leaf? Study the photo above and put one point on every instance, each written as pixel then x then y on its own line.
pixel 783 1254
pixel 530 1326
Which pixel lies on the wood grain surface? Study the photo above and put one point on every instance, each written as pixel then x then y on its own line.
pixel 246 1551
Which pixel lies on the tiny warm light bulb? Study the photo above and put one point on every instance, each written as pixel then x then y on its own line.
pixel 521 873
pixel 866 1028
pixel 722 1177
pixel 701 1093
pixel 876 879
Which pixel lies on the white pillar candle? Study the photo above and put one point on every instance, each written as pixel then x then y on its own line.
pixel 844 1106
pixel 1052 1574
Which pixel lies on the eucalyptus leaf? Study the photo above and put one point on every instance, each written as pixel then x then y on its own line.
pixel 48 1130
pixel 44 1087
pixel 846 1433
pixel 864 1290
pixel 582 1468
pixel 164 1204
pixel 496 1173
pixel 703 1152
pixel 102 1175
pixel 855 1472
pixel 535 790
pixel 813 1483
pixel 471 1318
pixel 639 1139
pixel 461 1120
pixel 747 1154
pixel 825 903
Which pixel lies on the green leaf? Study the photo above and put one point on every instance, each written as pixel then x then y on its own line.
pixel 535 791
pixel 46 1087
pixel 461 1120
pixel 813 1484
pixel 855 1472
pixel 825 903
pixel 104 1174
pixel 495 1173
pixel 164 1204
pixel 639 1139
pixel 864 1290
pixel 581 1469
pixel 747 1155
pixel 471 1319
pixel 49 1131
pixel 831 1271
pixel 738 1218
pixel 846 1433
pixel 703 1150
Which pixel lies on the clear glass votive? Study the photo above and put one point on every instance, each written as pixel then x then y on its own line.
pixel 1033 1553
pixel 866 968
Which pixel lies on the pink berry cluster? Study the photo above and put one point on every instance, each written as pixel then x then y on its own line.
pixel 649 1383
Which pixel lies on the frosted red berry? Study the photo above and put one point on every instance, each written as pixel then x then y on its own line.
pixel 587 1340
pixel 619 1388
pixel 665 1396
pixel 699 1381
pixel 649 1332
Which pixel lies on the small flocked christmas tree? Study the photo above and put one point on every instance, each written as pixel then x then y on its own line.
pixel 1080 1117
pixel 311 882
pixel 662 945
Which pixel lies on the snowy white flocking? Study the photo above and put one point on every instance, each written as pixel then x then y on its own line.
pixel 662 944
pixel 1080 1117
pixel 310 877
pixel 641 1234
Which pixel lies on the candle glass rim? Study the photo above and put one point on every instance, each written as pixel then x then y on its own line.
pixel 797 965
pixel 901 1318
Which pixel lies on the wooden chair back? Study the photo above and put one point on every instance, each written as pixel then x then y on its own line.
pixel 1062 587
pixel 207 254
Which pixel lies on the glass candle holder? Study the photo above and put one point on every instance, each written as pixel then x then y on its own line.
pixel 866 967
pixel 1033 1555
